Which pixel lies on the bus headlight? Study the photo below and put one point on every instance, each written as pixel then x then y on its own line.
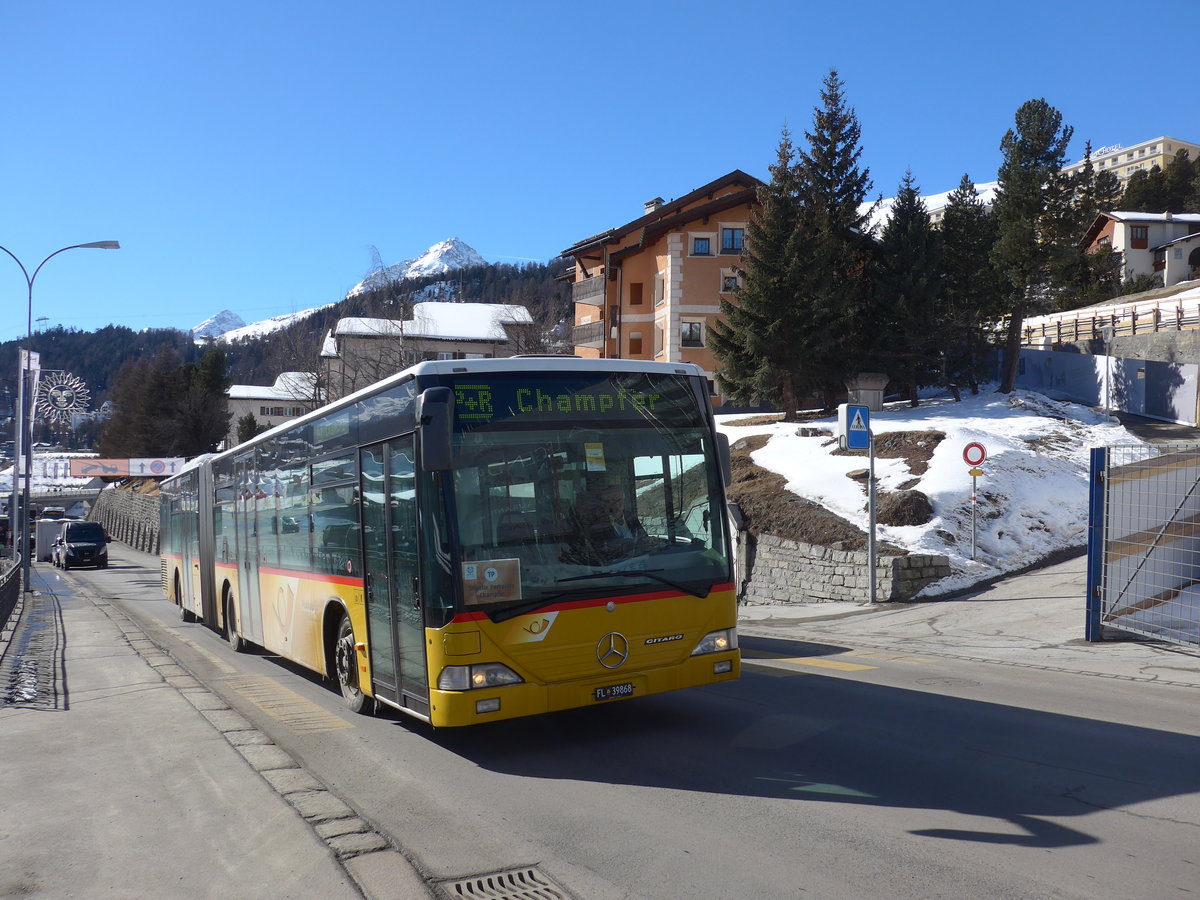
pixel 480 675
pixel 717 642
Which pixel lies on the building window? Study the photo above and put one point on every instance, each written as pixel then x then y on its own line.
pixel 658 340
pixel 660 290
pixel 635 343
pixel 635 293
pixel 731 240
pixel 691 334
pixel 1139 236
pixel 729 282
pixel 701 247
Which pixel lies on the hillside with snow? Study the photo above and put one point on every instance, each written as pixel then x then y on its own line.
pixel 1031 501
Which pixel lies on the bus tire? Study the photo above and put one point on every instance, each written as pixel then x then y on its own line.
pixel 345 664
pixel 236 641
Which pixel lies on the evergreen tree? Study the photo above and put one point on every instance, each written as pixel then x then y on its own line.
pixel 832 250
pixel 144 402
pixel 1088 276
pixel 201 405
pixel 909 285
pixel 1146 191
pixel 248 427
pixel 1033 215
pixel 1178 179
pixel 971 292
pixel 758 344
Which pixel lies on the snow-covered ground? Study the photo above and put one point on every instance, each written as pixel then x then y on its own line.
pixel 1031 501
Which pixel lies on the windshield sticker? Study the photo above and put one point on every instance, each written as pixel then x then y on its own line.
pixel 594 453
pixel 491 581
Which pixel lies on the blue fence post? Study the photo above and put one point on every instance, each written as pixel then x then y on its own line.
pixel 1093 627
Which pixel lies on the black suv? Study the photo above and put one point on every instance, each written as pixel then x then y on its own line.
pixel 81 544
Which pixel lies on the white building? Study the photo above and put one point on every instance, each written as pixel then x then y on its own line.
pixel 292 395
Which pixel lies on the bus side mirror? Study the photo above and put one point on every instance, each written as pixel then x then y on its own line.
pixel 435 416
pixel 726 458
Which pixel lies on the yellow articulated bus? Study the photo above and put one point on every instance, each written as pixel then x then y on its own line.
pixel 474 540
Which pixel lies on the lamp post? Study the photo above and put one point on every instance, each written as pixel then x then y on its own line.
pixel 20 517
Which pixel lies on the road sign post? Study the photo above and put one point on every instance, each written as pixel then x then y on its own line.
pixel 854 433
pixel 973 455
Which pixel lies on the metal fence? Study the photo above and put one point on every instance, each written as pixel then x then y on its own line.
pixel 10 589
pixel 1144 543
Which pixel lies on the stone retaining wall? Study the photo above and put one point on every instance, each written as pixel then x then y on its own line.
pixel 781 571
pixel 128 517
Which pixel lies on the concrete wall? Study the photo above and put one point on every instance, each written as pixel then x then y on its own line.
pixel 781 571
pixel 1140 384
pixel 128 517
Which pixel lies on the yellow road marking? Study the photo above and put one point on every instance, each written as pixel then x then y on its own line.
pixel 891 657
pixel 821 662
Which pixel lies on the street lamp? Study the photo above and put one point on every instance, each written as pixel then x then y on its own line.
pixel 18 517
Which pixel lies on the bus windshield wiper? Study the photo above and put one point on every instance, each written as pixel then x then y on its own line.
pixel 638 573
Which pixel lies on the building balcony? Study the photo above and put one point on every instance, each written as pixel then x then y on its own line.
pixel 590 290
pixel 590 334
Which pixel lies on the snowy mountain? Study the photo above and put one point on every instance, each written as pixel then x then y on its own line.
pixel 266 326
pixel 215 326
pixel 443 257
pixel 439 259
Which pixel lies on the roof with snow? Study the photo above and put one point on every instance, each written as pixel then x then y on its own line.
pixel 443 321
pixel 288 386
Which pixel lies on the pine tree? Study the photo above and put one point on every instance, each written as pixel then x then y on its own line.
pixel 201 405
pixel 248 427
pixel 908 285
pixel 1178 178
pixel 1146 191
pixel 1033 214
pixel 756 343
pixel 971 293
pixel 832 249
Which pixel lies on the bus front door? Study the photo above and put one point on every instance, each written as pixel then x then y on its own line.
pixel 394 616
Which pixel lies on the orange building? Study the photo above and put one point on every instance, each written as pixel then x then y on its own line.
pixel 650 289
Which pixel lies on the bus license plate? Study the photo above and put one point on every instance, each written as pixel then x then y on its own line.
pixel 612 691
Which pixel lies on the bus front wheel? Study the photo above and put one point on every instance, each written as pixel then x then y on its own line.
pixel 345 659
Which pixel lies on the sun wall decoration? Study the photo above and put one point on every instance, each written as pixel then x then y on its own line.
pixel 60 396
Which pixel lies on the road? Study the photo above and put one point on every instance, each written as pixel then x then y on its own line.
pixel 828 770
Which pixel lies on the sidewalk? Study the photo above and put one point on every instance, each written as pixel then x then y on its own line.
pixel 121 776
pixel 1033 619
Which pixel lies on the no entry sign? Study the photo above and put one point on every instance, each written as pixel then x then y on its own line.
pixel 974 454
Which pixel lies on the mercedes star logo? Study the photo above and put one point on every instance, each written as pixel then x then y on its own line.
pixel 612 650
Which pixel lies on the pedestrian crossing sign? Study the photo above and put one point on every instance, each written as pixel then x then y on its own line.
pixel 854 426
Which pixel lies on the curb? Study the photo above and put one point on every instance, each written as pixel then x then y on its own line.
pixel 376 866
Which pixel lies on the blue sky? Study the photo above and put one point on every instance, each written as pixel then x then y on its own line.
pixel 253 155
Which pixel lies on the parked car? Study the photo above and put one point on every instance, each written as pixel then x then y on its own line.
pixel 81 544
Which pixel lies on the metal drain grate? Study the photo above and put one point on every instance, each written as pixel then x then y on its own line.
pixel 514 884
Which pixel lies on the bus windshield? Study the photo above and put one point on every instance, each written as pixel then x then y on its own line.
pixel 584 483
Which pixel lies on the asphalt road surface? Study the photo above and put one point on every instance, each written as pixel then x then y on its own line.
pixel 827 771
